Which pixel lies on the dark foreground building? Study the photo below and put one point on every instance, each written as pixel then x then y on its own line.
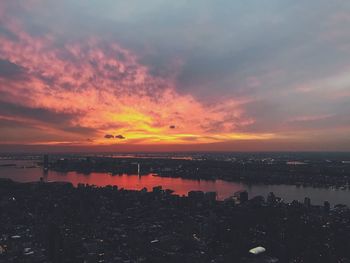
pixel 55 222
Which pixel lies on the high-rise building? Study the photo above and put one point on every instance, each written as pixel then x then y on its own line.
pixel 271 198
pixel 326 207
pixel 46 162
pixel 307 202
pixel 242 196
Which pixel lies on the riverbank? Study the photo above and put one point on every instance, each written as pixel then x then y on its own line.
pixel 325 173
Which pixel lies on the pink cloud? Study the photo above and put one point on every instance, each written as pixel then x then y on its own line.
pixel 107 89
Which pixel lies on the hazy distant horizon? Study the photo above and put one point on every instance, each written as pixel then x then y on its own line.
pixel 20 149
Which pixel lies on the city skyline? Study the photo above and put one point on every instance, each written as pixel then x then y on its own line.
pixel 174 76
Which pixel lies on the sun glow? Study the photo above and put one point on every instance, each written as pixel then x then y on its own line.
pixel 107 97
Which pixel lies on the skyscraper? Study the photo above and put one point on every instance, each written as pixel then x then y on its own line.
pixel 46 162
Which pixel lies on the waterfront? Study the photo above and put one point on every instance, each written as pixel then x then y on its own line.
pixel 180 186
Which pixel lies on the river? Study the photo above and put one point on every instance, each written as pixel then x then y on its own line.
pixel 181 186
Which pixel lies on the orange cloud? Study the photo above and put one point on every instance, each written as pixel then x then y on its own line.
pixel 108 90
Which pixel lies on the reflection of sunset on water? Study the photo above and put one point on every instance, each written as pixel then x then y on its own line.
pixel 134 182
pixel 224 189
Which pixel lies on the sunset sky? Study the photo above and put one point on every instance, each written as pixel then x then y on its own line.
pixel 161 75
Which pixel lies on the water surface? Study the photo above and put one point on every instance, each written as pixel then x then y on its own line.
pixel 181 186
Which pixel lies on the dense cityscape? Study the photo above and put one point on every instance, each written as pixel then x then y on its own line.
pixel 57 222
